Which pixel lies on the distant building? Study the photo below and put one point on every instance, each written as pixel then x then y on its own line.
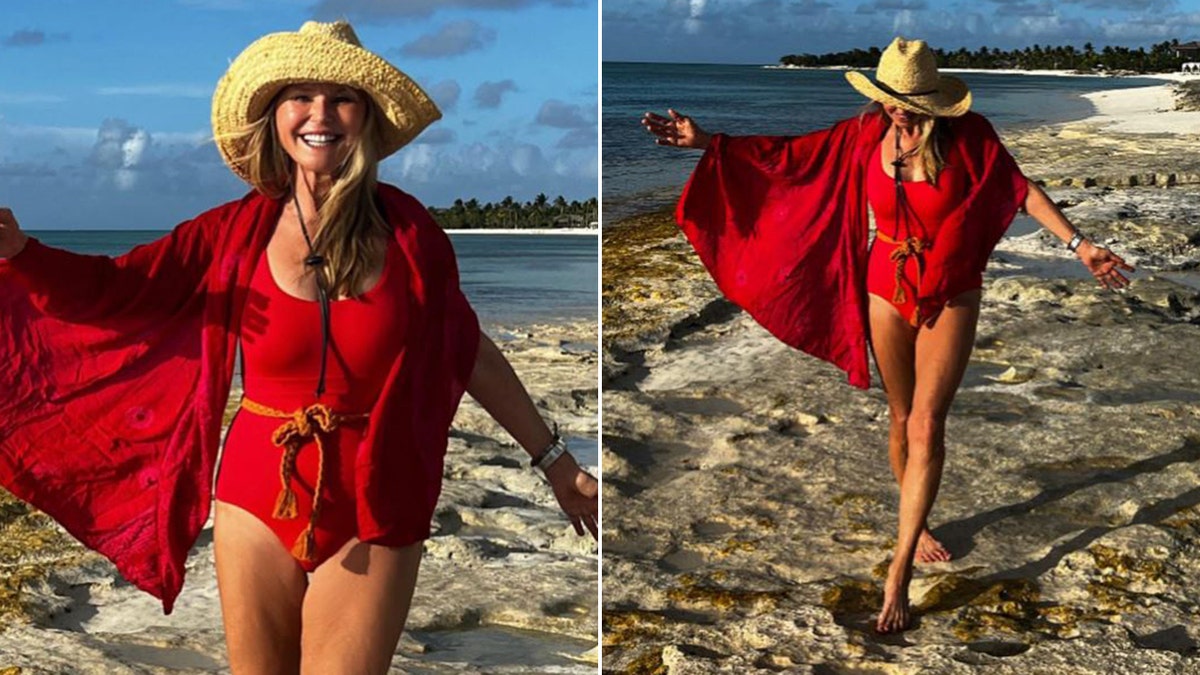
pixel 1188 50
pixel 1190 68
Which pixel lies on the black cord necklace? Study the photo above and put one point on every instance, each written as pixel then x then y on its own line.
pixel 316 261
pixel 897 165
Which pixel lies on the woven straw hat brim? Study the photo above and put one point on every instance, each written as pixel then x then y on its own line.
pixel 279 59
pixel 952 98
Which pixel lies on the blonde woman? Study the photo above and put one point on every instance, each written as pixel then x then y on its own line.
pixel 357 345
pixel 943 190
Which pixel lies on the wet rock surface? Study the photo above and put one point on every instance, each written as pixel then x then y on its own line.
pixel 505 584
pixel 750 512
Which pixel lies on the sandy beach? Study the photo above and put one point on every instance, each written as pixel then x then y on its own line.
pixel 749 508
pixel 1175 77
pixel 1144 110
pixel 505 584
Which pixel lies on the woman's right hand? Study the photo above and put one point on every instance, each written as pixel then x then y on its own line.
pixel 678 130
pixel 12 239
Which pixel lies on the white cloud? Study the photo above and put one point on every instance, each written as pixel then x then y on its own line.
pixel 439 174
pixel 445 93
pixel 452 39
pixel 905 22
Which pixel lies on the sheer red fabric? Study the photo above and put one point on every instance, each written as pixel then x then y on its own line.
pixel 118 371
pixel 781 224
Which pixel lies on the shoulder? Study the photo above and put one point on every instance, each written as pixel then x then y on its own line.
pixel 972 123
pixel 235 211
pixel 413 225
pixel 406 213
pixel 401 206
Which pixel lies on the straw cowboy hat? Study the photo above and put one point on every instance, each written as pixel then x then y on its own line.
pixel 907 77
pixel 318 52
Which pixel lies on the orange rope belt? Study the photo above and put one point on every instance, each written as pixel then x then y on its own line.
pixel 315 422
pixel 905 248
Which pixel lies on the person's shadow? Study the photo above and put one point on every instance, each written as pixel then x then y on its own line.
pixel 965 530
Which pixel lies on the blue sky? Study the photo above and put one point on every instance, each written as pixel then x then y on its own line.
pixel 105 105
pixel 760 31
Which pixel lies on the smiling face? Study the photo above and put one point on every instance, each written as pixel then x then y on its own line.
pixel 318 124
pixel 903 119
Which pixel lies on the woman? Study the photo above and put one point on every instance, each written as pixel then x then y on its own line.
pixel 357 345
pixel 781 223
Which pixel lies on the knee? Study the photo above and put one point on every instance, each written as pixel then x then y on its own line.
pixel 899 417
pixel 925 432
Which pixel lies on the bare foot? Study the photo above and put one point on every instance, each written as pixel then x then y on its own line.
pixel 930 549
pixel 894 617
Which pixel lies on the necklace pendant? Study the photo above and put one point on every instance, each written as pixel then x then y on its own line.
pixel 314 260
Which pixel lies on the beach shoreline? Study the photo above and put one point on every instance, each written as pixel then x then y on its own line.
pixel 1174 77
pixel 1142 110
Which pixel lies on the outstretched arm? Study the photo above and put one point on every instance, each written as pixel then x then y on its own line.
pixel 12 239
pixel 496 387
pixel 151 281
pixel 677 130
pixel 1101 262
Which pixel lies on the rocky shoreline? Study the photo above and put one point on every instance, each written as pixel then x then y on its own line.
pixel 505 585
pixel 750 512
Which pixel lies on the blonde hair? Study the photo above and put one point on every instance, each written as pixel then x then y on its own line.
pixel 351 231
pixel 933 133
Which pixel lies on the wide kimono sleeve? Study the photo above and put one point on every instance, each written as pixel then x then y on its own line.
pixel 970 234
pixel 780 223
pixel 400 460
pixel 98 410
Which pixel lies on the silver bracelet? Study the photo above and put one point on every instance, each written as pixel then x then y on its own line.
pixel 558 448
pixel 1076 240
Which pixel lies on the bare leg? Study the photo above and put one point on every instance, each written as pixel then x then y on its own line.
pixel 942 353
pixel 262 590
pixel 893 341
pixel 356 606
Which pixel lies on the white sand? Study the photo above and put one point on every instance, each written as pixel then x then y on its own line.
pixel 1172 77
pixel 1142 110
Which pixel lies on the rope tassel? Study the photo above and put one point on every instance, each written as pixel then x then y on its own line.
pixel 305 545
pixel 285 504
pixel 909 247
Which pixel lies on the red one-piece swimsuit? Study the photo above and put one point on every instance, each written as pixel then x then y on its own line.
pixel 897 254
pixel 281 357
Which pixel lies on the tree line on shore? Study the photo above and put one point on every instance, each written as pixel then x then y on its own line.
pixel 540 212
pixel 1161 57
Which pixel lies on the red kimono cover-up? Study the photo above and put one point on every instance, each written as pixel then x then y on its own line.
pixel 781 224
pixel 117 373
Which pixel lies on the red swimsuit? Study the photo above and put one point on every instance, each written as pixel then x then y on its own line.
pixel 897 255
pixel 281 355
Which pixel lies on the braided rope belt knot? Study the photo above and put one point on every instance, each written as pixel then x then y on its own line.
pixel 314 422
pixel 909 247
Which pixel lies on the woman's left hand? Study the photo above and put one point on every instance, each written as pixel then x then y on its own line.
pixel 1104 265
pixel 577 493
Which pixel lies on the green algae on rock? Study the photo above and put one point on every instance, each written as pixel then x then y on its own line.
pixel 32 547
pixel 710 594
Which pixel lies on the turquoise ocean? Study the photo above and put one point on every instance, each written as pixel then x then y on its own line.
pixel 639 176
